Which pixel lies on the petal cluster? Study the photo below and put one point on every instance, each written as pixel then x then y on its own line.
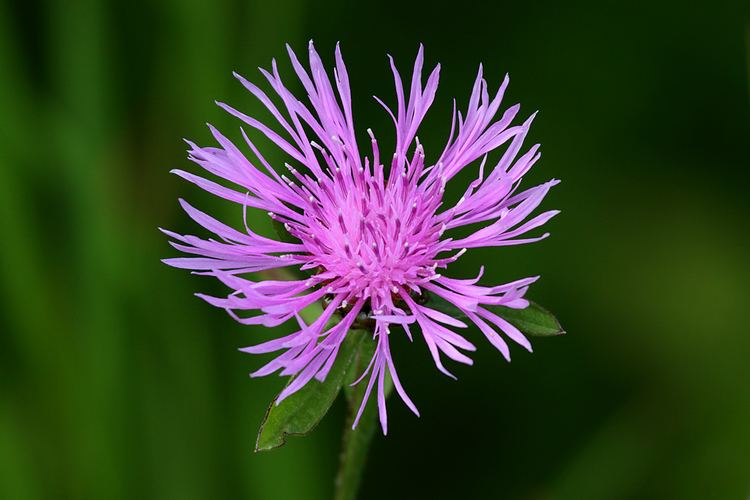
pixel 372 232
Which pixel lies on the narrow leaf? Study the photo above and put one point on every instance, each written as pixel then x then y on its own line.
pixel 438 303
pixel 299 413
pixel 535 320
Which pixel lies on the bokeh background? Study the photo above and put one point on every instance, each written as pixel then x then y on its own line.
pixel 117 383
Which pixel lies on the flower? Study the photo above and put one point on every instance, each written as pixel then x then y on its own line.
pixel 375 239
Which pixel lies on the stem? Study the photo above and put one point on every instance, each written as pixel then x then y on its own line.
pixel 355 443
pixel 354 447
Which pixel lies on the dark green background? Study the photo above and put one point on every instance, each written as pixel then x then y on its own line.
pixel 117 383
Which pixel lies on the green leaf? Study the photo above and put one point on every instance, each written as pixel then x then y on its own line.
pixel 440 304
pixel 298 414
pixel 534 321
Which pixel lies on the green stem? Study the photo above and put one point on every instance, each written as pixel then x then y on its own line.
pixel 355 443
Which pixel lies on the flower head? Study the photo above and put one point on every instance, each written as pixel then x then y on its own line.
pixel 372 231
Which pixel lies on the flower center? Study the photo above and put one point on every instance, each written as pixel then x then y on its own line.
pixel 374 238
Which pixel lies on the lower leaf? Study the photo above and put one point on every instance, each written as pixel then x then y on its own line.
pixel 301 412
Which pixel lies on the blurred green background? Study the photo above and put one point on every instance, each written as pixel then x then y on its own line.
pixel 117 383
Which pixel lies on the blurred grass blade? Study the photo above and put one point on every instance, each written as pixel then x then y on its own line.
pixel 299 413
pixel 282 233
pixel 534 321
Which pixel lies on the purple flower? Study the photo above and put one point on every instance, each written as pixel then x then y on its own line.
pixel 374 238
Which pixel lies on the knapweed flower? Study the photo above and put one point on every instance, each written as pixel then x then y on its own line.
pixel 372 230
